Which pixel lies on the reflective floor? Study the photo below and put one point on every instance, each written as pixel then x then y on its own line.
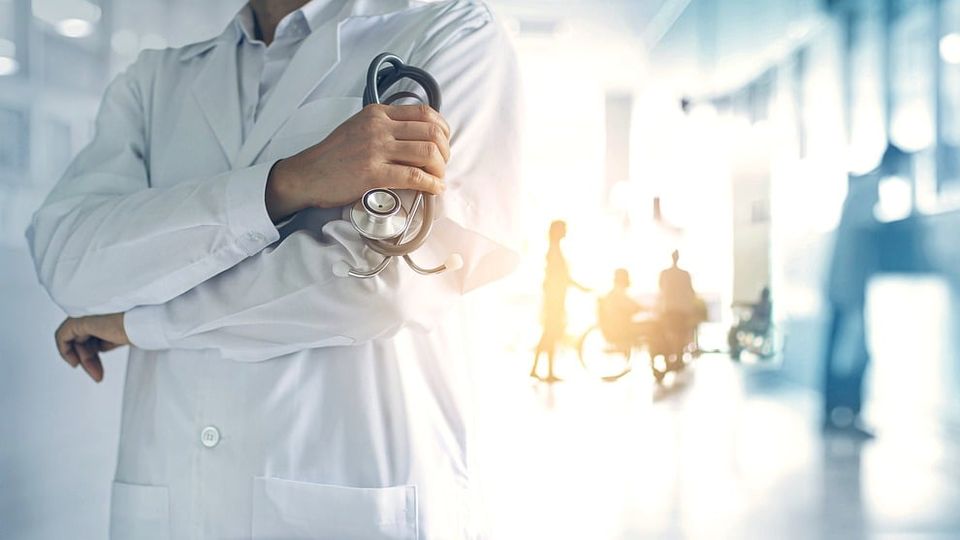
pixel 722 451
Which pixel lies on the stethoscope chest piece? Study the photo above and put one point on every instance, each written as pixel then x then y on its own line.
pixel 379 215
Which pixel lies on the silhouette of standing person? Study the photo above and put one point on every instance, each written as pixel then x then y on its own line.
pixel 677 303
pixel 555 284
pixel 856 259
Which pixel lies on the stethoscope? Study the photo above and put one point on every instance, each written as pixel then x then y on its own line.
pixel 379 216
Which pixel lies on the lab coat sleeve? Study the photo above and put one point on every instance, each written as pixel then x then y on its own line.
pixel 287 299
pixel 105 241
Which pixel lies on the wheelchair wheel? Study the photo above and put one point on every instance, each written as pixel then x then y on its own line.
pixel 602 359
pixel 659 367
pixel 672 351
pixel 764 346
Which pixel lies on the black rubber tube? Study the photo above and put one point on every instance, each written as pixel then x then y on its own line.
pixel 386 70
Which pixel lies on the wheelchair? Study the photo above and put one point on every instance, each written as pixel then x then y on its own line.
pixel 758 338
pixel 676 346
pixel 606 356
pixel 670 342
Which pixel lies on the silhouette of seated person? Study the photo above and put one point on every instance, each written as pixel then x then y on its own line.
pixel 759 320
pixel 616 312
pixel 756 323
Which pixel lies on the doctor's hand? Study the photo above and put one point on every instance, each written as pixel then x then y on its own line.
pixel 382 146
pixel 81 340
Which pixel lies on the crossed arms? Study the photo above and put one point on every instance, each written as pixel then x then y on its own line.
pixel 198 265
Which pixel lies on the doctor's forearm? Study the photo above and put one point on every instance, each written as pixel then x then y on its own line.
pixel 109 253
pixel 281 197
pixel 287 299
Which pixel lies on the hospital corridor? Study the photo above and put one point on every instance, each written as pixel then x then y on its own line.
pixel 721 451
pixel 480 269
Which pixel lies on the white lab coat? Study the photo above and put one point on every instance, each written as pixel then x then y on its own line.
pixel 331 407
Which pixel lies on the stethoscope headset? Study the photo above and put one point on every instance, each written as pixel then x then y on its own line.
pixel 379 216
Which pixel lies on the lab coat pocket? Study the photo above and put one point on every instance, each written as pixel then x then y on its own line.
pixel 299 510
pixel 311 123
pixel 139 511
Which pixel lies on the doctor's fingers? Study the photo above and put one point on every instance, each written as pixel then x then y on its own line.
pixel 65 348
pixel 423 131
pixel 66 335
pixel 395 176
pixel 89 359
pixel 416 113
pixel 425 155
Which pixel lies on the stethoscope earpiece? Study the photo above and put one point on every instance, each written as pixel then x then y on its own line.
pixel 379 215
pixel 453 263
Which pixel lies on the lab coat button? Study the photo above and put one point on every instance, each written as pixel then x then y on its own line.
pixel 210 436
pixel 255 237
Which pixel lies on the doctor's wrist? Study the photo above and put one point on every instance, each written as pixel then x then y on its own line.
pixel 282 196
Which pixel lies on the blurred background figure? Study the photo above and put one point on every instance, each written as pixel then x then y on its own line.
pixel 677 304
pixel 676 289
pixel 856 259
pixel 754 323
pixel 556 281
pixel 616 311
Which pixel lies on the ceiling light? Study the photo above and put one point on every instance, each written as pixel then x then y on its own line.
pixel 8 66
pixel 74 28
pixel 8 57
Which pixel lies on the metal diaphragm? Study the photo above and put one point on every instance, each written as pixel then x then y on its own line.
pixel 379 215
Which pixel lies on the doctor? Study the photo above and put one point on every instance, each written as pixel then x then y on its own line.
pixel 266 397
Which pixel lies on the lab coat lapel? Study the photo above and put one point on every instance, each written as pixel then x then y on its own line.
pixel 315 58
pixel 217 92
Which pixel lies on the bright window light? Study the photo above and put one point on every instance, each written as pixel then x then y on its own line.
pixel 950 48
pixel 913 128
pixel 894 199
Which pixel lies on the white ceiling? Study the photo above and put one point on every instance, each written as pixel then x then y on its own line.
pixel 182 21
pixel 640 19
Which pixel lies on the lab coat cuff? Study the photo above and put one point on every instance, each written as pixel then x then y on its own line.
pixel 144 328
pixel 283 223
pixel 247 209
